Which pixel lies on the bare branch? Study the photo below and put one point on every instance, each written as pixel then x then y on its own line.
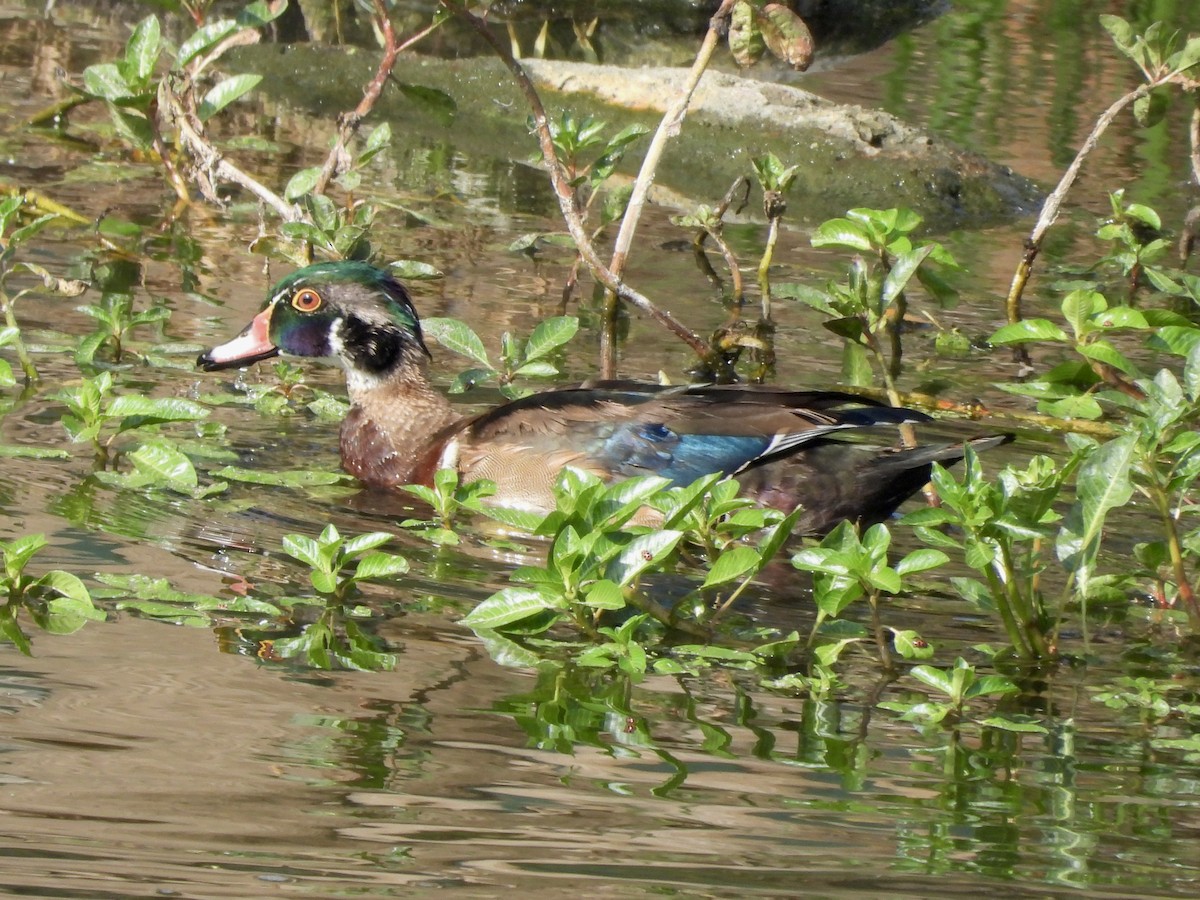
pixel 565 193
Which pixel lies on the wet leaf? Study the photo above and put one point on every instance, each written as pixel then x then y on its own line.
pixel 104 80
pixel 604 594
pixel 511 605
pixel 225 93
pixel 437 103
pixel 1029 330
pixel 413 270
pixel 141 51
pixel 203 38
pixel 380 565
pixel 731 565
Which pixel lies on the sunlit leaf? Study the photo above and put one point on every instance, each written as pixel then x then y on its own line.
pixel 203 38
pixel 549 335
pixel 511 605
pixel 1029 330
pixel 457 336
pixel 226 92
pixel 380 565
pixel 141 51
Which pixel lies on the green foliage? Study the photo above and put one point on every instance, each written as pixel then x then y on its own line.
pixel 330 554
pixel 448 499
pixel 528 358
pixel 846 568
pixel 115 318
pixel 1000 525
pixel 601 561
pixel 867 309
pixel 94 415
pixel 574 137
pixel 1156 51
pixel 957 687
pixel 57 601
pixel 13 236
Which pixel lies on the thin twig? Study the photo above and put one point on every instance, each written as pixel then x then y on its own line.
pixel 565 193
pixel 671 122
pixel 350 122
pixel 1053 203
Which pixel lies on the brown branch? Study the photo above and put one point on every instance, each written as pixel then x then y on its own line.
pixel 350 123
pixel 1053 203
pixel 565 193
pixel 671 122
pixel 209 162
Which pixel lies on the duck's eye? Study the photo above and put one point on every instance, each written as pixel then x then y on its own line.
pixel 307 300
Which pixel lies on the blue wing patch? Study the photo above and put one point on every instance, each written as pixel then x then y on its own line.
pixel 641 448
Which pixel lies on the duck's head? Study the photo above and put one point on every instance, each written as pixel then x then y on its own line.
pixel 351 313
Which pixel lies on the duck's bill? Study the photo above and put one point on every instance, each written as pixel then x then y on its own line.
pixel 248 347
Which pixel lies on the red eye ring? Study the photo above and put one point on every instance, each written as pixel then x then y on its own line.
pixel 306 300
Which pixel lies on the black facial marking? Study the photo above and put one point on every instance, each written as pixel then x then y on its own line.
pixel 371 347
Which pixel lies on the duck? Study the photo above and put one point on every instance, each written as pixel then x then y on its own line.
pixel 787 448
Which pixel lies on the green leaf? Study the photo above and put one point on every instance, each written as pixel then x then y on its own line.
pixel 911 645
pixel 512 604
pixel 105 81
pixel 1029 330
pixel 937 679
pixel 1104 352
pixel 380 565
pixel 550 335
pixel 18 552
pixel 903 268
pixel 301 183
pixel 990 685
pixel 1024 725
pixel 842 233
pixel 1150 109
pixel 137 411
pixel 362 542
pixel 1102 483
pixel 1085 406
pixel 141 51
pixel 413 270
pixel 298 478
pixel 226 92
pixel 639 554
pixel 732 565
pixel 203 38
pixel 921 561
pixel 1121 31
pixel 604 594
pixel 1179 339
pixel 1078 307
pixel 303 548
pixel 457 337
pixel 165 465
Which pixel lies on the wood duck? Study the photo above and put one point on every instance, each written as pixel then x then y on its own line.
pixel 785 447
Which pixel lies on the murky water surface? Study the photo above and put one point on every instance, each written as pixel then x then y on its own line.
pixel 141 758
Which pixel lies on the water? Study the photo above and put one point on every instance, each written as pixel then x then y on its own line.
pixel 144 759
